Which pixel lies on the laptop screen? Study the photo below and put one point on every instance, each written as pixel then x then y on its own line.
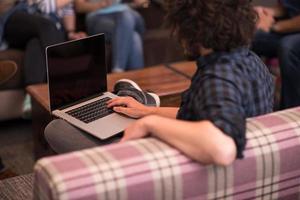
pixel 76 70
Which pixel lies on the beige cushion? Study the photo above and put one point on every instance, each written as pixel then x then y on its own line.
pixel 17 81
pixel 11 104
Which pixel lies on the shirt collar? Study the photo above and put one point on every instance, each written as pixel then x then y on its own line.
pixel 203 61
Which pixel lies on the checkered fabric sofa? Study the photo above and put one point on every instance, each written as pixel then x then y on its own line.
pixel 150 169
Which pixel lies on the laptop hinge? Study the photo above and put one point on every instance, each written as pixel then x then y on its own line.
pixel 80 101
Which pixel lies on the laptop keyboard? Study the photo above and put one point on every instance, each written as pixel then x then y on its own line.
pixel 92 111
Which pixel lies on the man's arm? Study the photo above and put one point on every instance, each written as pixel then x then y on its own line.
pixel 84 6
pixel 62 3
pixel 201 141
pixel 132 108
pixel 69 22
pixel 267 16
pixel 218 136
pixel 5 5
pixel 277 11
pixel 287 26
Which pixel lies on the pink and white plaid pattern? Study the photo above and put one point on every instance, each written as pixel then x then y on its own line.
pixel 150 169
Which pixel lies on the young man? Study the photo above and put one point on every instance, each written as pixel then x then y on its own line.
pixel 279 36
pixel 231 84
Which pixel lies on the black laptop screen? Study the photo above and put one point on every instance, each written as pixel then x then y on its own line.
pixel 76 70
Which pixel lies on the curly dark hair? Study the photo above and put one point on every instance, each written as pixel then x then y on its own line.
pixel 220 25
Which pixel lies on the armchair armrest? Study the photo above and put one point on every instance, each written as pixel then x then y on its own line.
pixel 151 169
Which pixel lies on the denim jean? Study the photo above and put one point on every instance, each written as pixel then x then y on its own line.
pixel 124 30
pixel 287 49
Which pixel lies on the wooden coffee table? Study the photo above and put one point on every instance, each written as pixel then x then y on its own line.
pixel 187 69
pixel 158 79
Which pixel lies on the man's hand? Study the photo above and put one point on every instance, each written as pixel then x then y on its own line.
pixel 104 3
pixel 266 18
pixel 141 3
pixel 137 130
pixel 129 106
pixel 76 35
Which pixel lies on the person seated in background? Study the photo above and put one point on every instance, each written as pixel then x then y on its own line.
pixel 123 27
pixel 32 26
pixel 8 69
pixel 230 85
pixel 278 35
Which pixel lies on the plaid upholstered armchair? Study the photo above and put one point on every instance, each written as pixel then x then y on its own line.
pixel 150 169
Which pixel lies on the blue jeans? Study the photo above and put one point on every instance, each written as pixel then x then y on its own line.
pixel 287 49
pixel 124 30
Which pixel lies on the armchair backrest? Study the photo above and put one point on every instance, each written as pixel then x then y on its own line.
pixel 151 169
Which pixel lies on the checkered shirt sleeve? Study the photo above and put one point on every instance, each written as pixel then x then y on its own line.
pixel 226 91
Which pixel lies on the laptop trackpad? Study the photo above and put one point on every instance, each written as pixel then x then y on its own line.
pixel 109 125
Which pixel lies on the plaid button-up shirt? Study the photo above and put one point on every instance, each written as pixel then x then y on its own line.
pixel 227 88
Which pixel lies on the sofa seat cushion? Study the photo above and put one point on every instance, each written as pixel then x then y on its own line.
pixel 11 105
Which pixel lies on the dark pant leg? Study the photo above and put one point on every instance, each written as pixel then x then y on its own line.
pixel 287 49
pixel 1 165
pixel 289 58
pixel 20 31
pixel 266 44
pixel 22 27
pixel 33 62
pixel 63 137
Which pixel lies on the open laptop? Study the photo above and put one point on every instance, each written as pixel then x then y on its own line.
pixel 77 81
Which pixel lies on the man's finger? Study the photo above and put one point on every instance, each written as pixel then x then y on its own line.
pixel 122 110
pixel 126 111
pixel 117 102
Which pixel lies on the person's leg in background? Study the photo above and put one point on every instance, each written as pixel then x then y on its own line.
pixel 136 57
pixel 266 44
pixel 127 44
pixel 289 58
pixel 139 22
pixel 119 29
pixel 35 74
pixel 287 49
pixel 32 33
pixel 136 54
pixel 101 24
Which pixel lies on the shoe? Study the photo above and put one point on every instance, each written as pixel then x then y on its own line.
pixel 27 107
pixel 7 70
pixel 117 70
pixel 126 87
